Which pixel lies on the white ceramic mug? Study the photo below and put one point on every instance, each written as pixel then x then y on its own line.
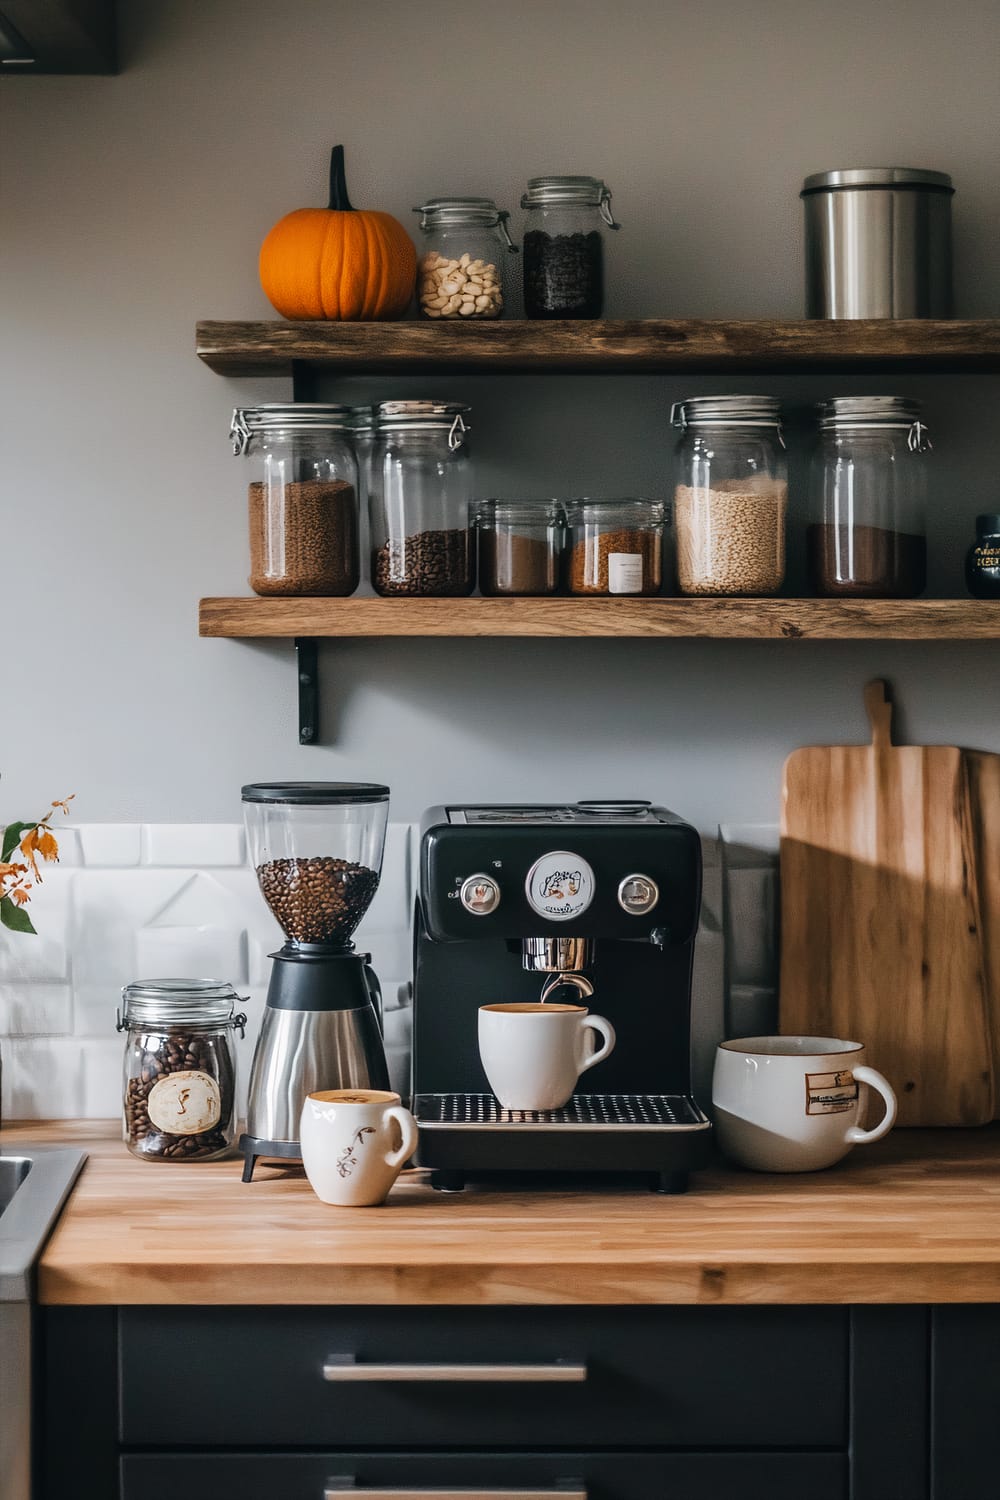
pixel 351 1146
pixel 533 1053
pixel 791 1103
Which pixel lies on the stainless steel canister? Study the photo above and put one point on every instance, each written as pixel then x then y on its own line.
pixel 878 243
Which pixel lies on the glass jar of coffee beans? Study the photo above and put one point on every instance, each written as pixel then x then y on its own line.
pixel 563 260
pixel 180 1068
pixel 421 481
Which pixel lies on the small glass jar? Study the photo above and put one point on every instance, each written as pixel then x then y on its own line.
pixel 563 262
pixel 303 498
pixel 614 546
pixel 461 267
pixel 730 496
pixel 180 1068
pixel 867 534
pixel 520 546
pixel 982 563
pixel 420 486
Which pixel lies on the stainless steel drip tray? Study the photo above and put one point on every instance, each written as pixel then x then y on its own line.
pixel 583 1114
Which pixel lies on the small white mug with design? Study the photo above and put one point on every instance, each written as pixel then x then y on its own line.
pixel 791 1103
pixel 354 1143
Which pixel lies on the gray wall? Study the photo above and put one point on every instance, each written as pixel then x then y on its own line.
pixel 134 205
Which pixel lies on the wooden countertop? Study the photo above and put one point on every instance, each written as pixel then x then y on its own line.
pixel 913 1219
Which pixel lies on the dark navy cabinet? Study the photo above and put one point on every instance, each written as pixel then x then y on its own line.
pixel 607 1403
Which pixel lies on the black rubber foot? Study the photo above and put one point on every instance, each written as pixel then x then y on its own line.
pixel 446 1181
pixel 670 1182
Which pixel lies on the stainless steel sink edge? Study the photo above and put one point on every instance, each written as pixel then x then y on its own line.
pixel 28 1221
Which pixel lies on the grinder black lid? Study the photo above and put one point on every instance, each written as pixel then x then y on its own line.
pixel 315 793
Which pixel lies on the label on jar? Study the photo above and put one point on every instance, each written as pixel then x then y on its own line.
pixel 624 572
pixel 184 1103
pixel 830 1093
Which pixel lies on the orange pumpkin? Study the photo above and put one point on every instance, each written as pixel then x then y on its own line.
pixel 339 263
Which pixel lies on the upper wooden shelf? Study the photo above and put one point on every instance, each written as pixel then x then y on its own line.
pixel 719 619
pixel 656 346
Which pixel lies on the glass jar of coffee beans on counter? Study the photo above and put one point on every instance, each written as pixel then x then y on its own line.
pixel 461 270
pixel 731 495
pixel 419 500
pixel 303 497
pixel 614 546
pixel 520 546
pixel 180 1068
pixel 563 262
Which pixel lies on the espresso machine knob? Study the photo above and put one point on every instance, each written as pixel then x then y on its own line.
pixel 638 894
pixel 480 895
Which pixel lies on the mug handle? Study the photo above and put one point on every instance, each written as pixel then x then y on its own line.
pixel 604 1027
pixel 856 1135
pixel 408 1130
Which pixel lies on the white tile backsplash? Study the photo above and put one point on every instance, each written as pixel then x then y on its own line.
pixel 132 901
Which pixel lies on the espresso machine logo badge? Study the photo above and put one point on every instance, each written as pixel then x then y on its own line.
pixel 560 886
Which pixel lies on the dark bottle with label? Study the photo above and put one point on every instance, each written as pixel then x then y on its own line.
pixel 982 564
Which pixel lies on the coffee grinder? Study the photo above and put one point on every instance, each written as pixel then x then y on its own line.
pixel 317 849
pixel 605 895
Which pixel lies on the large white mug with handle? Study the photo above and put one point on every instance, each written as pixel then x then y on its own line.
pixel 791 1103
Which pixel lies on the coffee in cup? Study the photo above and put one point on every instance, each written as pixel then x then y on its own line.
pixel 534 1052
pixel 354 1143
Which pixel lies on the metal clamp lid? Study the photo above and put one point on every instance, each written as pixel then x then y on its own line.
pixel 570 192
pixel 173 1002
pixel 284 416
pixel 457 213
pixel 728 411
pixel 424 416
pixel 876 414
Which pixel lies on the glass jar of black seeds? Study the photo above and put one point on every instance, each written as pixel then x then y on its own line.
pixel 421 482
pixel 564 246
pixel 180 1068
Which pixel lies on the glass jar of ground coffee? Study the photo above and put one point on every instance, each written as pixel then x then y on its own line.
pixel 520 546
pixel 563 261
pixel 866 536
pixel 303 497
pixel 180 1068
pixel 421 542
pixel 614 546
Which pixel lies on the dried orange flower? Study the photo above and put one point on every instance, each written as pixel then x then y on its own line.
pixel 34 841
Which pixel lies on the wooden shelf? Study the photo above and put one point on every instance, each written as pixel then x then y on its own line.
pixel 684 619
pixel 656 346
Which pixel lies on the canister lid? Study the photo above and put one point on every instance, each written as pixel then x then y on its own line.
pixel 171 1002
pixel 424 416
pixel 439 213
pixel 877 177
pixel 285 416
pixel 516 512
pixel 634 510
pixel 562 191
pixel 726 411
pixel 988 525
pixel 316 793
pixel 868 411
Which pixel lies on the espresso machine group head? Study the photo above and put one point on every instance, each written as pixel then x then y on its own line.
pixel 512 897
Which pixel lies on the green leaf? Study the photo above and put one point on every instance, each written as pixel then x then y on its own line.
pixel 13 916
pixel 11 838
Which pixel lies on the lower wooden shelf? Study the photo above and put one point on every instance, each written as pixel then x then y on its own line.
pixel 691 619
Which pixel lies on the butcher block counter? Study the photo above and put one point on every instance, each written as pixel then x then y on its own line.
pixel 914 1219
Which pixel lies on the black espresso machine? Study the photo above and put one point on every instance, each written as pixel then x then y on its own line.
pixel 512 897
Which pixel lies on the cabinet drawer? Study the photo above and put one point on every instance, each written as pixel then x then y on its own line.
pixel 568 1377
pixel 597 1476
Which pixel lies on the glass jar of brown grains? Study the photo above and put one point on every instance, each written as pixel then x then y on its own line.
pixel 520 546
pixel 614 546
pixel 180 1068
pixel 303 497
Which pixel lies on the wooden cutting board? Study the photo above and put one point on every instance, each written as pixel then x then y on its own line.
pixel 880 910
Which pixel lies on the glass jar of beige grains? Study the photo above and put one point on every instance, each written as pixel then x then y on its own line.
pixel 731 495
pixel 614 546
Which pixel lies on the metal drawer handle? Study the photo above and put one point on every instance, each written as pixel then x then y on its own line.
pixel 338 1491
pixel 347 1367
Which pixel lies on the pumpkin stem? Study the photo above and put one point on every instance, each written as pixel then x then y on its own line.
pixel 338 181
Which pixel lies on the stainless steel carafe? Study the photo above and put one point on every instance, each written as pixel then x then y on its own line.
pixel 878 243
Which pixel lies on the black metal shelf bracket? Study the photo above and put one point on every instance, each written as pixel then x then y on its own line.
pixel 307 670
